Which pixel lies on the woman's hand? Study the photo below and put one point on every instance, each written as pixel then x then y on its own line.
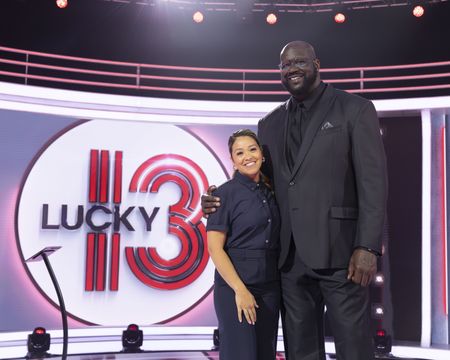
pixel 246 303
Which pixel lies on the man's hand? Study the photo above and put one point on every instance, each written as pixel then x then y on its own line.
pixel 209 202
pixel 362 267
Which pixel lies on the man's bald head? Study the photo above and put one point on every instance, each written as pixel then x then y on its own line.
pixel 299 69
pixel 300 45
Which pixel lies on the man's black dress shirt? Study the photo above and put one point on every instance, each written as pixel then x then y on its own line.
pixel 300 116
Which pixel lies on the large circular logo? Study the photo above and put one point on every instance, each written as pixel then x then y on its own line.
pixel 122 200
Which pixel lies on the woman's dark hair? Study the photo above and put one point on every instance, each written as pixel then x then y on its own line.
pixel 239 133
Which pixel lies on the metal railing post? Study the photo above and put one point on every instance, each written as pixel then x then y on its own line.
pixel 138 76
pixel 27 58
pixel 361 81
pixel 243 86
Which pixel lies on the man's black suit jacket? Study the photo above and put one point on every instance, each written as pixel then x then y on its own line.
pixel 334 198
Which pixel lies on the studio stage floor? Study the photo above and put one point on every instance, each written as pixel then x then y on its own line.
pixel 165 343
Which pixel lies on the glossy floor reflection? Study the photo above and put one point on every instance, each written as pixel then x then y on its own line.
pixel 168 343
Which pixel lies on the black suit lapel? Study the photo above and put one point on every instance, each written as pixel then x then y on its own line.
pixel 311 131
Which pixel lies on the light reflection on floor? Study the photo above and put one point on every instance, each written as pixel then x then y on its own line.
pixel 164 343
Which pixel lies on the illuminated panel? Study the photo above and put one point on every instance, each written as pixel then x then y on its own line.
pixel 426 226
pixel 444 219
pixel 115 107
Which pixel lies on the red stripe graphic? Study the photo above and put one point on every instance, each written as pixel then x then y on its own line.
pixel 101 262
pixel 93 177
pixel 104 176
pixel 443 177
pixel 115 254
pixel 118 177
pixel 90 253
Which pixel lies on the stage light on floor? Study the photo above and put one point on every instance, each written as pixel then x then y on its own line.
pixel 198 17
pixel 382 343
pixel 62 4
pixel 38 344
pixel 271 18
pixel 216 340
pixel 132 339
pixel 418 11
pixel 339 18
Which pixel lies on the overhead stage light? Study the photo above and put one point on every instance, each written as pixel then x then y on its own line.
pixel 38 344
pixel 271 18
pixel 198 17
pixel 339 18
pixel 62 3
pixel 132 339
pixel 418 11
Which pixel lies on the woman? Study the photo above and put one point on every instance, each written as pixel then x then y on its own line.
pixel 243 237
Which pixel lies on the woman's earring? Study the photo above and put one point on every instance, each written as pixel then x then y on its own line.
pixel 263 159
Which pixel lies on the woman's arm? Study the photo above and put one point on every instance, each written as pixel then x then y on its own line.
pixel 245 302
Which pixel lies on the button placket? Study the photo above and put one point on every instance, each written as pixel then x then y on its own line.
pixel 267 209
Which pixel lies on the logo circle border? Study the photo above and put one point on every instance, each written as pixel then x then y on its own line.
pixel 24 179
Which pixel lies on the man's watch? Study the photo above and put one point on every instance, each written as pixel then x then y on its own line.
pixel 376 253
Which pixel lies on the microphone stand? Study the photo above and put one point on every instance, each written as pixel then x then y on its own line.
pixel 43 255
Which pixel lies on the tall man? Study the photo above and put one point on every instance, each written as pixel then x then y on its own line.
pixel 325 156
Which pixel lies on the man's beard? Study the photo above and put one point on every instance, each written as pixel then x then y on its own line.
pixel 306 86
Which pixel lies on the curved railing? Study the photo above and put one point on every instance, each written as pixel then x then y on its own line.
pixel 60 71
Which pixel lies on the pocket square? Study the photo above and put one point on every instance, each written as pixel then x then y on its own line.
pixel 327 125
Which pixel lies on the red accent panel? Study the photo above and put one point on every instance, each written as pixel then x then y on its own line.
pixel 115 254
pixel 104 176
pixel 93 177
pixel 118 177
pixel 90 253
pixel 101 262
pixel 443 220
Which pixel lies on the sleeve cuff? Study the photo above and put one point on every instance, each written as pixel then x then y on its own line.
pixel 375 252
pixel 214 227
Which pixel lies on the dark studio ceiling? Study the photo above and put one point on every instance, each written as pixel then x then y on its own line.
pixel 233 33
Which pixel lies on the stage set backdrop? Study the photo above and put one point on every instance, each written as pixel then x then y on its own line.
pixel 115 183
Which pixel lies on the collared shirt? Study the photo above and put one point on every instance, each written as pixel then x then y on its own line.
pixel 310 101
pixel 299 117
pixel 249 215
